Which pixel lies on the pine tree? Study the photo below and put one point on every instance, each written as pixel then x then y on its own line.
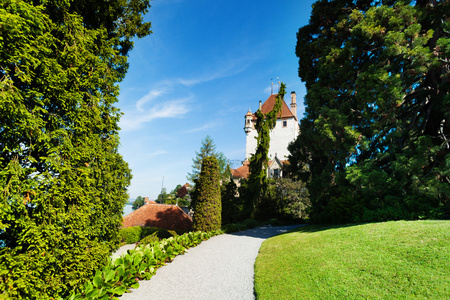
pixel 63 180
pixel 208 148
pixel 208 204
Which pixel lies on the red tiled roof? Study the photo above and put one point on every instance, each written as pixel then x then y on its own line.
pixel 268 106
pixel 166 216
pixel 241 172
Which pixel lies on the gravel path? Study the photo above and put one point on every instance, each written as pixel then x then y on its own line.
pixel 219 268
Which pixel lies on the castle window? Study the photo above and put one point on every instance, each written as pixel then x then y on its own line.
pixel 276 173
pixel 284 123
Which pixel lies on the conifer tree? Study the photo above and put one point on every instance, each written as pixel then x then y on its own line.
pixel 208 204
pixel 375 140
pixel 208 148
pixel 63 180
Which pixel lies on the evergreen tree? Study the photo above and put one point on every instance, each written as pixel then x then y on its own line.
pixel 375 140
pixel 208 206
pixel 63 181
pixel 259 162
pixel 208 148
pixel 232 204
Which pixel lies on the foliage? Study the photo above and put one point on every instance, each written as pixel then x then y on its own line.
pixel 63 180
pixel 250 223
pixel 376 133
pixel 123 273
pixel 234 227
pixel 163 197
pixel 131 235
pixel 208 206
pixel 208 148
pixel 257 182
pixel 397 259
pixel 292 199
pixel 138 202
pixel 232 204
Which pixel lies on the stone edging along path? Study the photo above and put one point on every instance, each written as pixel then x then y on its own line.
pixel 219 268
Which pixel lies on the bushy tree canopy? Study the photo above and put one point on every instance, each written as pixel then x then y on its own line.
pixel 138 202
pixel 63 180
pixel 376 133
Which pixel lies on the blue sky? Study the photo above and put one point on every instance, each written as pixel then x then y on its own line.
pixel 205 64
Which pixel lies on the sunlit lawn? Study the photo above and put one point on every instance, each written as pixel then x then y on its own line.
pixel 392 260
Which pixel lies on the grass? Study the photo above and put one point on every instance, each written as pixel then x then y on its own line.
pixel 391 260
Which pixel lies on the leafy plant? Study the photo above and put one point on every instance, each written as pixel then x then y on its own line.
pixel 141 263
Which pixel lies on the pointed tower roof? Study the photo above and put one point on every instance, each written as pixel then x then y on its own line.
pixel 269 104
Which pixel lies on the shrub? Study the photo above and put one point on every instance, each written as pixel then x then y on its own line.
pixel 234 227
pixel 250 223
pixel 208 206
pixel 130 235
pixel 150 239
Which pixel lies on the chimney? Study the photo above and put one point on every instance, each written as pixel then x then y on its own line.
pixel 260 104
pixel 146 200
pixel 294 104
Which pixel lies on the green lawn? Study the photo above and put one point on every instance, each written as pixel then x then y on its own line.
pixel 391 260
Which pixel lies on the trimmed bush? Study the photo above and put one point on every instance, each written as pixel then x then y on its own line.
pixel 130 235
pixel 208 205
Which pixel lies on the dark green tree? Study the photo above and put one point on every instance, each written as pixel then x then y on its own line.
pixel 375 140
pixel 138 202
pixel 208 205
pixel 257 182
pixel 232 204
pixel 63 180
pixel 208 148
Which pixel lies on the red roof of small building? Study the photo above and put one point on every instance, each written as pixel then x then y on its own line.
pixel 242 172
pixel 268 106
pixel 166 216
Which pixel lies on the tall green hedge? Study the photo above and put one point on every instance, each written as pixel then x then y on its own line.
pixel 208 204
pixel 62 181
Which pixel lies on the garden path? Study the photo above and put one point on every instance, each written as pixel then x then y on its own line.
pixel 219 268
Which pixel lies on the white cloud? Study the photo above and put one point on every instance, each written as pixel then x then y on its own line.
pixel 149 97
pixel 167 109
pixel 228 68
pixel 202 128
pixel 156 153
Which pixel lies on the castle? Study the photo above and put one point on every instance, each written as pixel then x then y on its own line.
pixel 285 131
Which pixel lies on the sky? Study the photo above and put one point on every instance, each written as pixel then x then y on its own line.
pixel 204 66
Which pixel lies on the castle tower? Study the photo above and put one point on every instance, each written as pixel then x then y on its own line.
pixel 248 122
pixel 285 131
pixel 294 104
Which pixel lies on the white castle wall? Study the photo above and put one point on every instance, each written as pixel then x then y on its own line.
pixel 280 137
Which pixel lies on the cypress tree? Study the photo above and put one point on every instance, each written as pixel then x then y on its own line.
pixel 208 204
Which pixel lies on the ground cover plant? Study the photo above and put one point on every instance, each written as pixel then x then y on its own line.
pixel 121 274
pixel 401 259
